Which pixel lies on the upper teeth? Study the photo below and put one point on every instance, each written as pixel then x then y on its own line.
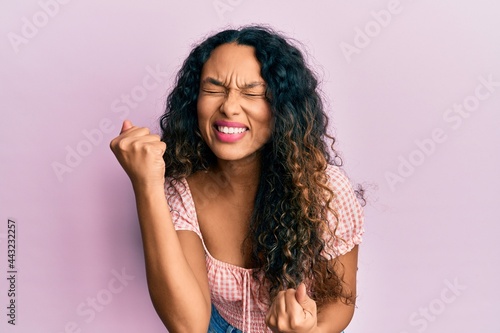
pixel 231 130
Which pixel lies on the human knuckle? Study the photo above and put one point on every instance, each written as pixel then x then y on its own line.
pixel 294 323
pixel 270 320
pixel 135 144
pixel 149 149
pixel 282 323
pixel 122 145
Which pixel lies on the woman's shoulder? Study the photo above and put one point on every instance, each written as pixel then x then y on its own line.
pixel 346 201
pixel 175 188
pixel 184 186
pixel 348 221
pixel 337 177
pixel 181 204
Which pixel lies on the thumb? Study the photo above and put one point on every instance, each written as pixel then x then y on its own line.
pixel 304 300
pixel 127 124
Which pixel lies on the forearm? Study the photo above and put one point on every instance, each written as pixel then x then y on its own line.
pixel 180 301
pixel 334 317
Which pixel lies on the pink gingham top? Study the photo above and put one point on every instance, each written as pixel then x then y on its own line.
pixel 233 290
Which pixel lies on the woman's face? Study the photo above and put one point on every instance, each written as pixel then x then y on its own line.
pixel 233 113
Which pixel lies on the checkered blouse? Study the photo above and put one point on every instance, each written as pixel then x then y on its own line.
pixel 233 290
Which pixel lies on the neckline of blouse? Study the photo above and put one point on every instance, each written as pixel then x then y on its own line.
pixel 195 215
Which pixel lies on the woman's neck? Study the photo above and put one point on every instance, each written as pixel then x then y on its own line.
pixel 242 177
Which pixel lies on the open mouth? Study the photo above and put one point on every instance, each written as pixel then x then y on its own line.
pixel 231 130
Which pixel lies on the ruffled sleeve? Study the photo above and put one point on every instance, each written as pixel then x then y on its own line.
pixel 349 225
pixel 181 206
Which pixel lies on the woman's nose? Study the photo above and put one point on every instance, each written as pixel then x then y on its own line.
pixel 231 104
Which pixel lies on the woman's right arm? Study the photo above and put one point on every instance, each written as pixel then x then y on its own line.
pixel 175 261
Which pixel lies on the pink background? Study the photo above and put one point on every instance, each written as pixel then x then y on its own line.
pixel 429 261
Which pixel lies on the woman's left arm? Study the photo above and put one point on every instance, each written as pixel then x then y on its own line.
pixel 293 311
pixel 335 317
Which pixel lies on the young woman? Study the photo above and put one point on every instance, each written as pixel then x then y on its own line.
pixel 248 223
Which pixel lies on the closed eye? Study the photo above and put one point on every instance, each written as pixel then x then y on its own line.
pixel 253 95
pixel 214 92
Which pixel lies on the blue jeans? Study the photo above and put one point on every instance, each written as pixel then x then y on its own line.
pixel 219 324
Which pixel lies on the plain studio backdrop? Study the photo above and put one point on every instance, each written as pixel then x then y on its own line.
pixel 413 94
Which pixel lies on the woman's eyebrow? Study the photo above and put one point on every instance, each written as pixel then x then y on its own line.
pixel 253 85
pixel 213 81
pixel 216 82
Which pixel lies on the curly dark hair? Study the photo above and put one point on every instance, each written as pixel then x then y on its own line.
pixel 289 226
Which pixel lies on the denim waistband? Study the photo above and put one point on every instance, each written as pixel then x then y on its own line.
pixel 219 324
